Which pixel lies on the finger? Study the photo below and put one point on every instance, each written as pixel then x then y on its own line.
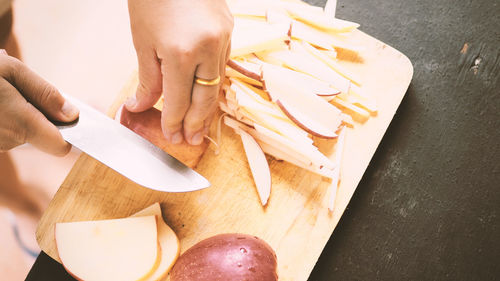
pixel 203 100
pixel 41 133
pixel 29 125
pixel 178 72
pixel 228 54
pixel 208 121
pixel 149 89
pixel 223 61
pixel 45 97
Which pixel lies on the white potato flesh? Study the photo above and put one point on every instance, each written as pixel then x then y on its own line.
pixel 119 249
pixel 258 165
pixel 309 111
pixel 169 243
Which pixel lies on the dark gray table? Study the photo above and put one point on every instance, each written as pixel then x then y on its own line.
pixel 428 206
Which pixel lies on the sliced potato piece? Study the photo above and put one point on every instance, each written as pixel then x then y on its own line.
pixel 305 109
pixel 248 69
pixel 169 243
pixel 258 165
pixel 251 39
pixel 320 20
pixel 330 8
pixel 118 249
pixel 332 64
pixel 303 61
pixel 356 112
pixel 302 151
pixel 362 99
pixel 311 151
pixel 279 154
pixel 304 32
pixel 339 150
pixel 257 94
pixel 231 73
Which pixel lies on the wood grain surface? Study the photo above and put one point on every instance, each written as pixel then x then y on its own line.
pixel 296 221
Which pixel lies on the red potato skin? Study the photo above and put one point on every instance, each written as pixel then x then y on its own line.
pixel 235 257
pixel 297 122
pixel 147 124
pixel 234 65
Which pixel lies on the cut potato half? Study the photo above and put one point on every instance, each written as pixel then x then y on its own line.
pixel 118 249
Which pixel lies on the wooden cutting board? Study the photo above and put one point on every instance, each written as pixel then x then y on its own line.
pixel 296 222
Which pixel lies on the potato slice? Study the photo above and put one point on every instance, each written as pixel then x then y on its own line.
pixel 304 156
pixel 258 165
pixel 332 64
pixel 307 33
pixel 118 249
pixel 251 39
pixel 321 20
pixel 305 109
pixel 356 112
pixel 339 150
pixel 303 61
pixel 330 8
pixel 248 69
pixel 169 243
pixel 301 150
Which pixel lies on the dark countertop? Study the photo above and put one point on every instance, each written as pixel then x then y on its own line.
pixel 428 205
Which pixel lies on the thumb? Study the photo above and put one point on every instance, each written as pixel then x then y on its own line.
pixel 150 83
pixel 41 94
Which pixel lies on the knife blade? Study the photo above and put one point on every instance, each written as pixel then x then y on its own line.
pixel 127 153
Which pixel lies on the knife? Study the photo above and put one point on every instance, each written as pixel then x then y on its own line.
pixel 127 153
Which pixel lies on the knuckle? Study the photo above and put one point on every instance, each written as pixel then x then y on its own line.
pixel 11 66
pixel 47 94
pixel 182 50
pixel 214 37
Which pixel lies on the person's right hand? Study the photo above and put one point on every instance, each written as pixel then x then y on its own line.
pixel 26 101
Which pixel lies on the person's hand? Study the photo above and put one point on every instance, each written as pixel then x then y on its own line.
pixel 177 41
pixel 25 101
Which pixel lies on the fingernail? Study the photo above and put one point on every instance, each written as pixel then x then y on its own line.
pixel 3 52
pixel 69 110
pixel 130 103
pixel 176 138
pixel 197 138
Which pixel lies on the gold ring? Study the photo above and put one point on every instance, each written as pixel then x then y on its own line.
pixel 206 82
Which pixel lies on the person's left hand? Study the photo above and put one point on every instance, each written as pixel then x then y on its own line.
pixel 177 41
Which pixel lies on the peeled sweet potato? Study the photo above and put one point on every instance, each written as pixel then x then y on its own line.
pixel 237 257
